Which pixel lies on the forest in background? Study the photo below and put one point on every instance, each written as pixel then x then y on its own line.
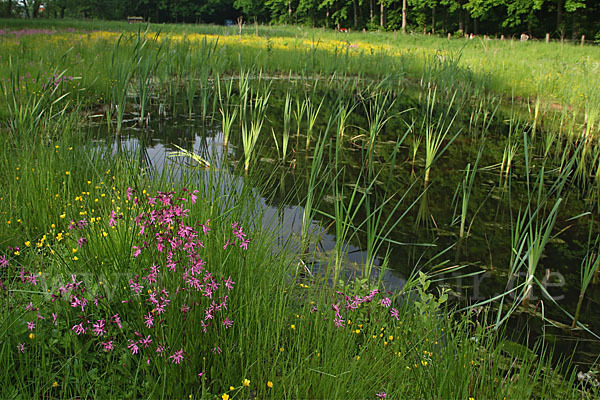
pixel 562 19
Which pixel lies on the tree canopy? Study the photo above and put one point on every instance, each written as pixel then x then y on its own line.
pixel 560 18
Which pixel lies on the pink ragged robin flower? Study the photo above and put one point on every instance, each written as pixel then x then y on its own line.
pixel 133 346
pixel 177 356
pixel 227 323
pixel 98 328
pixel 149 320
pixel 107 346
pixel 31 326
pixel 385 302
pixel 229 283
pixel 79 329
pixel 394 313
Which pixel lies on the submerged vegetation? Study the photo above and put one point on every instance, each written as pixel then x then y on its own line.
pixel 123 275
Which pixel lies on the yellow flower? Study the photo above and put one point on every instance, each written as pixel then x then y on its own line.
pixel 391 338
pixel 246 382
pixel 67 172
pixel 231 388
pixel 75 258
pixel 225 396
pixel 55 384
pixel 269 384
pixel 31 336
pixel 28 243
pixel 293 326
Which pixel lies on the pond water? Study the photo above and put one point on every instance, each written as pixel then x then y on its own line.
pixel 425 226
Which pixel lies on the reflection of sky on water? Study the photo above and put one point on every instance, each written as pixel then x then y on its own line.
pixel 287 218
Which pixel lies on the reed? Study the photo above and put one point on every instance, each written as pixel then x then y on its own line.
pixel 251 130
pixel 147 61
pixel 589 268
pixel 437 131
pixel 312 113
pixel 287 120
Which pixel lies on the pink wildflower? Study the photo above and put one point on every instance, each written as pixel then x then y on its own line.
pixel 99 328
pixel 177 356
pixel 136 251
pixel 149 320
pixel 227 323
pixel 133 347
pixel 79 329
pixel 394 313
pixel 385 302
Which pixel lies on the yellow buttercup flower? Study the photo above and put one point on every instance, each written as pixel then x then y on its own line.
pixel 246 382
pixel 269 384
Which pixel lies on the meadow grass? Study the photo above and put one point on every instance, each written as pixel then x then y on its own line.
pixel 123 281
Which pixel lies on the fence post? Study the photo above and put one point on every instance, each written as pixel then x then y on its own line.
pixel 501 37
pixel 582 40
pixel 547 38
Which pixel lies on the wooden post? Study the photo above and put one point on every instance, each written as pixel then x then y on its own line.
pixel 501 37
pixel 582 40
pixel 449 35
pixel 547 38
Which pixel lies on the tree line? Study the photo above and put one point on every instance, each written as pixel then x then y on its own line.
pixel 563 19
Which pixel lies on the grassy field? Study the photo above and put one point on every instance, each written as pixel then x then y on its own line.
pixel 120 281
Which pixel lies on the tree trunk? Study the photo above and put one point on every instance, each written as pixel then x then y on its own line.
pixel 445 19
pixel 62 12
pixel 382 16
pixel 36 9
pixel 404 9
pixel 559 17
pixel 461 21
pixel 433 19
pixel 26 6
pixel 371 11
pixel 355 5
pixel 475 26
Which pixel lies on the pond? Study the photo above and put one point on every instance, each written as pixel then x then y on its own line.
pixel 447 180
